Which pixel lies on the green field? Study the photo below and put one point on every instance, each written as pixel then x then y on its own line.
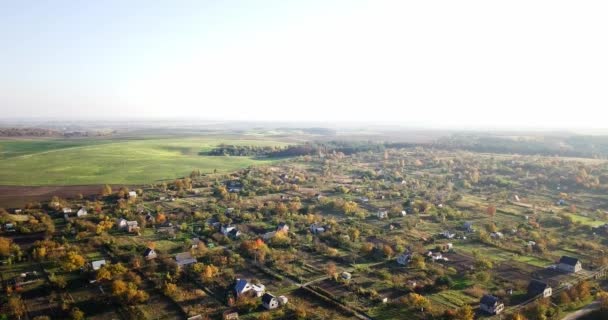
pixel 116 161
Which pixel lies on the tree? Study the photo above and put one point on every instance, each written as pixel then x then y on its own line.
pixel 517 316
pixel 5 247
pixel 602 297
pixel 388 251
pixel 354 234
pixel 465 313
pixel 106 190
pixel 491 210
pixel 417 301
pixel 170 289
pixel 331 270
pixel 58 281
pixel 564 298
pixel 209 272
pixel 16 307
pixel 161 218
pixel 77 314
pixel 73 261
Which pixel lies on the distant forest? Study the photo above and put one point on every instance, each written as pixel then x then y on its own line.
pixel 311 148
pixel 567 146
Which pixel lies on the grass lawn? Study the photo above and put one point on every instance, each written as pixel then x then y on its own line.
pixel 452 298
pixel 586 220
pixel 118 161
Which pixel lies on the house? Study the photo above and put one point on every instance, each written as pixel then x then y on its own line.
pixel 9 227
pixel 411 283
pixel 225 229
pixel 468 226
pixel 314 228
pixel 132 194
pixel 382 214
pixel 97 264
pixel 445 247
pixel 283 227
pixel 82 212
pixel 436 256
pixel 491 304
pixel 132 226
pixel 121 223
pixel 346 275
pixel 282 300
pixel 243 286
pixel 184 259
pixel 269 301
pixel 18 211
pixel 404 258
pixel 230 315
pixel 364 199
pixel 496 235
pixel 149 254
pixel 569 264
pixel 446 234
pixel 67 210
pixel 537 288
pixel 269 235
pixel 234 186
pixel 194 243
pixel 403 213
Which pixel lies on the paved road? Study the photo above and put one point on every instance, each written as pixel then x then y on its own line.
pixel 582 312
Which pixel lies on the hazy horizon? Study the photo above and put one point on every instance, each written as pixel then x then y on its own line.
pixel 474 64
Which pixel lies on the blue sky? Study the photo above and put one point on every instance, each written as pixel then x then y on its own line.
pixel 521 63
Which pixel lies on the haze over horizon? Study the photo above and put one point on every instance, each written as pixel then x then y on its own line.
pixel 530 64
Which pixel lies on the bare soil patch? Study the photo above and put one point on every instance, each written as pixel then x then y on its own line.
pixel 18 196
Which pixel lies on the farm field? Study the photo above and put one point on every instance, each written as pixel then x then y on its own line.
pixel 118 161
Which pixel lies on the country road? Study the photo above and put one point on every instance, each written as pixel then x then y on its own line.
pixel 582 312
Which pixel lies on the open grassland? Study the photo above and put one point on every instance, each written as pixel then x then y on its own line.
pixel 118 161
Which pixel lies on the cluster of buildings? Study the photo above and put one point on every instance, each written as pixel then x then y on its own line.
pixel 536 288
pixel 269 301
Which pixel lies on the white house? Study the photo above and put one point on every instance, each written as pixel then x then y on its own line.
pixel 242 286
pixel 382 214
pixel 346 275
pixel 538 288
pixel 314 228
pixel 569 264
pixel 282 227
pixel 283 300
pixel 269 301
pixel 149 254
pixel 229 230
pixel 132 194
pixel 67 210
pixel 97 264
pixel 82 212
pixel 132 226
pixel 121 223
pixel 496 235
pixel 446 234
pixel 491 304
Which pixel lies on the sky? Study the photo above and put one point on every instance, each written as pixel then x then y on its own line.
pixel 533 64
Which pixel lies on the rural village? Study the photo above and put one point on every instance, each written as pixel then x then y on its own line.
pixel 402 233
